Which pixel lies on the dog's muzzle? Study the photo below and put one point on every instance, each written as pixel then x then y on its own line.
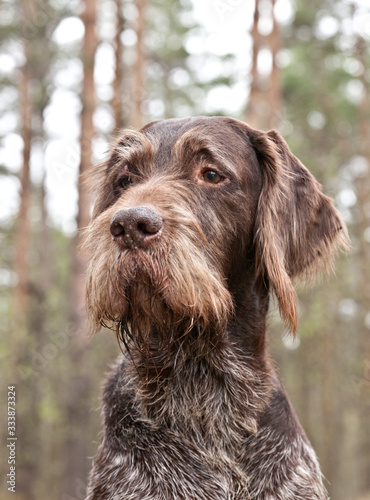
pixel 135 227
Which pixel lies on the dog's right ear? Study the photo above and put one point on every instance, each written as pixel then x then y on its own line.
pixel 297 227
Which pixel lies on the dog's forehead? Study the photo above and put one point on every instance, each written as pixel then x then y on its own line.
pixel 160 143
pixel 225 140
pixel 220 132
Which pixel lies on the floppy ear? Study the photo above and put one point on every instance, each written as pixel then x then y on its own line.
pixel 297 227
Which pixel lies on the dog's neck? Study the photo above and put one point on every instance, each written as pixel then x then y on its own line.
pixel 237 362
pixel 163 352
pixel 247 327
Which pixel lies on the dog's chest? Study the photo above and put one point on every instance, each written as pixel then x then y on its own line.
pixel 195 421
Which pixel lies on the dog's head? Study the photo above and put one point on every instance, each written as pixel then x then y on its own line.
pixel 186 210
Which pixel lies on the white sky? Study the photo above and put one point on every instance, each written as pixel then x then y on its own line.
pixel 225 26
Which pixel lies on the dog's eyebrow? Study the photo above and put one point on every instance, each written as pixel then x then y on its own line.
pixel 134 147
pixel 134 142
pixel 195 142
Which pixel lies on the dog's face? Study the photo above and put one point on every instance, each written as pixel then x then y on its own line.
pixel 185 210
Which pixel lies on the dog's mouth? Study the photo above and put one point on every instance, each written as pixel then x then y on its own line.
pixel 155 320
pixel 161 288
pixel 150 324
pixel 144 282
pixel 141 275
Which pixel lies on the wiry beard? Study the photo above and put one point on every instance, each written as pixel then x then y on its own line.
pixel 156 325
pixel 154 305
pixel 163 293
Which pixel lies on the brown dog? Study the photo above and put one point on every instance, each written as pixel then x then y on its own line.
pixel 196 222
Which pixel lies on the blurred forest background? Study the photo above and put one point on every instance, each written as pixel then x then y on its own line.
pixel 73 73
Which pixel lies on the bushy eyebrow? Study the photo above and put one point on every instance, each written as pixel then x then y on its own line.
pixel 195 143
pixel 133 147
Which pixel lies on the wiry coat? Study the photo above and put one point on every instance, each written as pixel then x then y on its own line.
pixel 223 215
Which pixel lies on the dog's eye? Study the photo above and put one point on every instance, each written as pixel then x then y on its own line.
pixel 212 177
pixel 125 181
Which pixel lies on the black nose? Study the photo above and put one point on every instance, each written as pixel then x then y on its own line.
pixel 132 227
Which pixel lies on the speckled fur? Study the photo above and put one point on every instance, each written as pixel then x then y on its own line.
pixel 193 410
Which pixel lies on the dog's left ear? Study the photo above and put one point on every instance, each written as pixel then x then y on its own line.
pixel 297 227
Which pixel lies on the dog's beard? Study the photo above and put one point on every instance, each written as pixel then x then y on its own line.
pixel 149 321
pixel 159 294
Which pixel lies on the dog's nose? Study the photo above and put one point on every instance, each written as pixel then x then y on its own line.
pixel 132 227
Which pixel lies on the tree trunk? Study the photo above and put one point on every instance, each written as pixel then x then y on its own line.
pixel 117 101
pixel 22 231
pixel 77 376
pixel 21 296
pixel 265 96
pixel 363 196
pixel 252 115
pixel 275 94
pixel 87 133
pixel 137 93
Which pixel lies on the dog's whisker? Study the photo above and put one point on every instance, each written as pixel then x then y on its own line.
pixel 123 330
pixel 179 350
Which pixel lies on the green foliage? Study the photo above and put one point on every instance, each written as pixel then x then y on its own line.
pixel 315 83
pixel 174 81
pixel 322 97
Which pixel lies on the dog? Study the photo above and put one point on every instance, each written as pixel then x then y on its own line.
pixel 196 223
